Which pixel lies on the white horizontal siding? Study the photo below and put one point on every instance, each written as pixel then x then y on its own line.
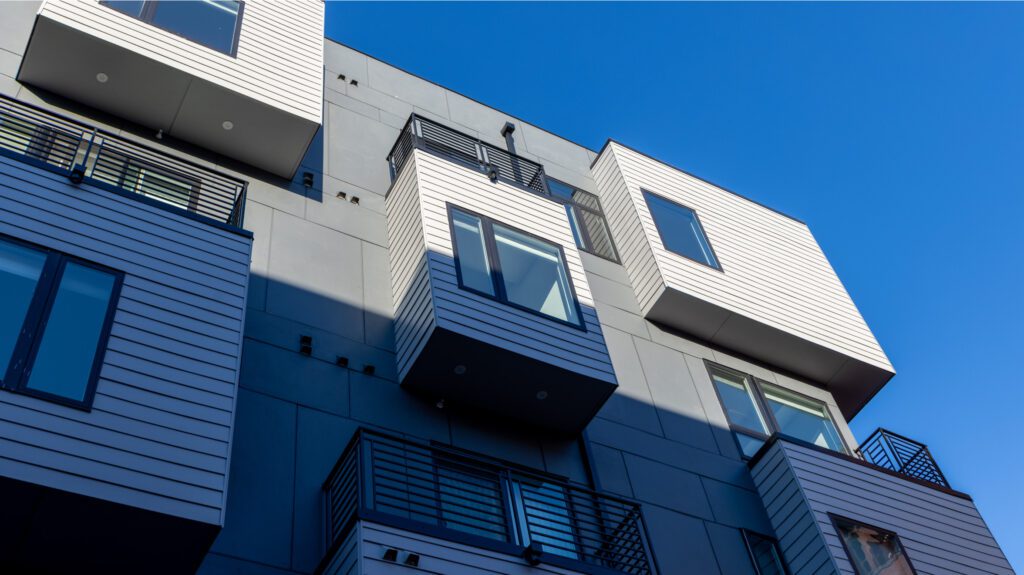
pixel 439 182
pixel 774 270
pixel 159 432
pixel 280 49
pixel 942 533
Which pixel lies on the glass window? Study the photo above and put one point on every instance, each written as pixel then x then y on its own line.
pixel 512 267
pixel 764 553
pixel 471 252
pixel 72 335
pixel 586 219
pixel 533 274
pixel 471 502
pixel 54 322
pixel 680 230
pixel 872 551
pixel 211 23
pixel 20 270
pixel 802 418
pixel 544 512
pixel 160 185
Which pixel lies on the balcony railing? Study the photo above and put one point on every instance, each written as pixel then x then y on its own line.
pixel 87 154
pixel 902 455
pixel 423 134
pixel 460 497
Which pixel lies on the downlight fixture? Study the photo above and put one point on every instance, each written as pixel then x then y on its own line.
pixel 227 125
pixel 102 78
pixel 542 395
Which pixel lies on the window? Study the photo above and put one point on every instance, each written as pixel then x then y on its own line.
pixel 513 267
pixel 764 554
pixel 55 322
pixel 544 517
pixel 680 230
pixel 756 409
pixel 212 23
pixel 871 550
pixel 160 184
pixel 589 228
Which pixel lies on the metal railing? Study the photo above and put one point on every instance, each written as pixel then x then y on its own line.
pixel 449 494
pixel 423 134
pixel 88 154
pixel 902 455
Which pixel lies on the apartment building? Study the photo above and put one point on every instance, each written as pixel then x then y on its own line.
pixel 274 306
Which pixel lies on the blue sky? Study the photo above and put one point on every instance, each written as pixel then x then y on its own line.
pixel 894 130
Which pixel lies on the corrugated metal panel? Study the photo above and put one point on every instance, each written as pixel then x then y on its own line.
pixel 159 433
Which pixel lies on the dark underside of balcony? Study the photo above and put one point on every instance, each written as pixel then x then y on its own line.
pixel 505 383
pixel 46 530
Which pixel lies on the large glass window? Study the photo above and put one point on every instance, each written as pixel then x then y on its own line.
pixel 757 409
pixel 680 230
pixel 513 267
pixel 872 551
pixel 212 23
pixel 764 554
pixel 54 323
pixel 586 219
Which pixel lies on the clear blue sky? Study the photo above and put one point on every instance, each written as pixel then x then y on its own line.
pixel 895 130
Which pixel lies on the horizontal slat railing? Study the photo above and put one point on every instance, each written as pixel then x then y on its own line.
pixel 903 455
pixel 471 499
pixel 498 164
pixel 88 154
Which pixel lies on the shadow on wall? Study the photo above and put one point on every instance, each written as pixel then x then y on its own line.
pixel 297 412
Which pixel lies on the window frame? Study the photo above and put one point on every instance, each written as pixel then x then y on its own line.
pixel 750 550
pixel 647 194
pixel 581 227
pixel 833 517
pixel 761 403
pixel 149 11
pixel 33 327
pixel 494 266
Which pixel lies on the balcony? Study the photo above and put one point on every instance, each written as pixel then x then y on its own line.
pixel 493 308
pixel 427 506
pixel 722 268
pixel 85 154
pixel 254 94
pixel 897 490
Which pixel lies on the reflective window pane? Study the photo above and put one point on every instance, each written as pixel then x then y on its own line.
pixel 802 418
pixel 70 339
pixel 471 502
pixel 471 252
pixel 130 8
pixel 159 185
pixel 207 22
pixel 680 230
pixel 574 225
pixel 544 510
pixel 765 555
pixel 20 269
pixel 738 400
pixel 749 444
pixel 873 551
pixel 534 275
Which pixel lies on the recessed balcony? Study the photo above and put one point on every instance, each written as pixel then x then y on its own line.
pixel 431 507
pixel 493 308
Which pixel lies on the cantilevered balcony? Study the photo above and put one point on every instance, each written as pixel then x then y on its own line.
pixel 888 507
pixel 85 154
pixel 390 500
pixel 493 308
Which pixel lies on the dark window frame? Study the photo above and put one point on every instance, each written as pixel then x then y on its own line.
pixel 149 11
pixel 647 194
pixel 33 328
pixel 761 403
pixel 833 517
pixel 494 266
pixel 750 550
pixel 581 227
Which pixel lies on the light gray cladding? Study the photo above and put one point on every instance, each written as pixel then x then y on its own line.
pixel 159 433
pixel 941 532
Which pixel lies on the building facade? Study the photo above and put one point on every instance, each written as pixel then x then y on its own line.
pixel 278 307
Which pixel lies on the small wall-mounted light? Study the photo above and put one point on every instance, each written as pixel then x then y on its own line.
pixel 341 77
pixel 341 195
pixel 391 554
pixel 306 344
pixel 369 369
pixel 160 134
pixel 355 200
pixel 439 404
pixel 412 560
pixel 507 129
pixel 354 82
pixel 492 172
pixel 342 361
pixel 307 179
pixel 77 174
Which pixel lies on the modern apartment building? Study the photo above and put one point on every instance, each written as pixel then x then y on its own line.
pixel 274 306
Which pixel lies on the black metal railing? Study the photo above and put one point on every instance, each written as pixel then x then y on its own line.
pixel 902 455
pixel 470 499
pixel 423 134
pixel 88 154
